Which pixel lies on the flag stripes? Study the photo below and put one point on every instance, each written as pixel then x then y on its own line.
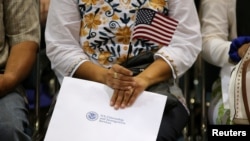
pixel 154 26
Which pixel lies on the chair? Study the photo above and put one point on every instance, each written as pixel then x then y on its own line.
pixel 38 91
pixel 32 92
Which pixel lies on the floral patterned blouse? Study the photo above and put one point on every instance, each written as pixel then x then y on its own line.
pixel 107 26
pixel 100 31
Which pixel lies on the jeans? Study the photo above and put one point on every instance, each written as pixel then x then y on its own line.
pixel 173 123
pixel 14 121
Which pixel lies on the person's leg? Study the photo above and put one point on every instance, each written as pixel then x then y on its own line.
pixel 14 121
pixel 172 124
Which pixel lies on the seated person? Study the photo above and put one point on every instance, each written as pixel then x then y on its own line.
pixel 90 39
pixel 19 40
pixel 223 23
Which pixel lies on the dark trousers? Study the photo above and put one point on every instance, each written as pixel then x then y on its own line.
pixel 173 123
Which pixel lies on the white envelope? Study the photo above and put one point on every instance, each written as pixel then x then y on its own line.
pixel 83 113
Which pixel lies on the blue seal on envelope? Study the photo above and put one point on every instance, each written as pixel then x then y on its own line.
pixel 92 116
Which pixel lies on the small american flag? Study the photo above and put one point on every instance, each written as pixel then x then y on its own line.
pixel 154 26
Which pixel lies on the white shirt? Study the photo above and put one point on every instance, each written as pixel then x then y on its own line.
pixel 64 45
pixel 218 26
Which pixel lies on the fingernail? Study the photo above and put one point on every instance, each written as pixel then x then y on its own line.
pixel 116 106
pixel 111 103
pixel 123 105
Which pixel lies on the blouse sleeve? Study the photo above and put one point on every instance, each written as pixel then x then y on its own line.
pixel 62 37
pixel 185 45
pixel 215 27
pixel 21 21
